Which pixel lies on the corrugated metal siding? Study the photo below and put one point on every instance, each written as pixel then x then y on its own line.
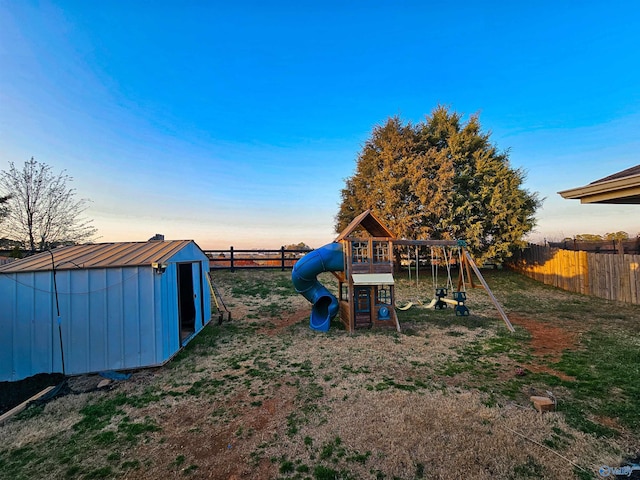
pixel 112 318
pixel 108 318
pixel 26 326
pixel 170 324
pixel 108 322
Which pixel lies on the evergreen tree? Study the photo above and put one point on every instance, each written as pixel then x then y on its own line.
pixel 441 179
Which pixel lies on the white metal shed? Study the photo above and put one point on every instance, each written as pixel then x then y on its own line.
pixel 107 306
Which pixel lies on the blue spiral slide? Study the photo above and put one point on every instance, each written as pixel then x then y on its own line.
pixel 325 305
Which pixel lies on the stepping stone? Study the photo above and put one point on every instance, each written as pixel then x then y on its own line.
pixel 543 404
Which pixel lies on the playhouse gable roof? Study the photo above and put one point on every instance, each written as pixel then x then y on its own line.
pixel 100 255
pixel 370 223
pixel 619 188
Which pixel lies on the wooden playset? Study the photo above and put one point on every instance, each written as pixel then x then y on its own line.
pixel 366 283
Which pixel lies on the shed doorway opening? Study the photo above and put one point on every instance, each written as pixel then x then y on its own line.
pixel 186 301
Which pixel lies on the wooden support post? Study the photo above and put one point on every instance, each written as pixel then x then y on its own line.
pixel 489 292
pixel 395 317
pixel 417 268
pixel 464 266
pixel 23 405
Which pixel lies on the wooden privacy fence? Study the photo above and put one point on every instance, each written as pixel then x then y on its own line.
pixel 233 259
pixel 613 277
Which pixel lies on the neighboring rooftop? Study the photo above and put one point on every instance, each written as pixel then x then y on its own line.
pixel 619 188
pixel 624 173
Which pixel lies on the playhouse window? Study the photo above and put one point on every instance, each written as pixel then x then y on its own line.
pixel 383 295
pixel 380 252
pixel 359 252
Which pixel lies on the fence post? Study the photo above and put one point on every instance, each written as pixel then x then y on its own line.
pixel 282 258
pixel 231 258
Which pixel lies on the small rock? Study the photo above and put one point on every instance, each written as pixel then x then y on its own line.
pixel 104 383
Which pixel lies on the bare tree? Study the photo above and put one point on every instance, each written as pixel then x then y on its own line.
pixel 41 210
pixel 3 207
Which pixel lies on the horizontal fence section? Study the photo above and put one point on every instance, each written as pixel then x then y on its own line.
pixel 233 259
pixel 613 277
pixel 630 246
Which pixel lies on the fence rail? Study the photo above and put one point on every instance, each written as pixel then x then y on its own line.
pixel 630 246
pixel 233 259
pixel 613 277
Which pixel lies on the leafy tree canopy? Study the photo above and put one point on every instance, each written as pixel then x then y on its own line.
pixel 298 246
pixel 592 237
pixel 587 237
pixel 616 236
pixel 441 179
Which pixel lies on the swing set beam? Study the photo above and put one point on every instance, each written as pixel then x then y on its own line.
pixel 427 243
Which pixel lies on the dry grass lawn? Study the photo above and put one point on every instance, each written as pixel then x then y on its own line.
pixel 263 396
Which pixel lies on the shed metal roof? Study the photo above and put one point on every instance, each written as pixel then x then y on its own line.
pixel 99 255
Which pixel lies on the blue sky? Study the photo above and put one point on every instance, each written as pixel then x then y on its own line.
pixel 236 123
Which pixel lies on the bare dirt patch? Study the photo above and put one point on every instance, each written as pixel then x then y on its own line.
pixel 191 438
pixel 548 342
pixel 276 325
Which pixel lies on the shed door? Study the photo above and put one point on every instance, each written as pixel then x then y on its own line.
pixel 189 304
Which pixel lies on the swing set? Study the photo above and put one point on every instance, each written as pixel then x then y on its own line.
pixel 444 253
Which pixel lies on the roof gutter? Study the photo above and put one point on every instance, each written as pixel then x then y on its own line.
pixel 602 191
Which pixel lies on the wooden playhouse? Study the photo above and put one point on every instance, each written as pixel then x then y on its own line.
pixel 366 285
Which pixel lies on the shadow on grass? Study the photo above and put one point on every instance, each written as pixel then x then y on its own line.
pixel 441 318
